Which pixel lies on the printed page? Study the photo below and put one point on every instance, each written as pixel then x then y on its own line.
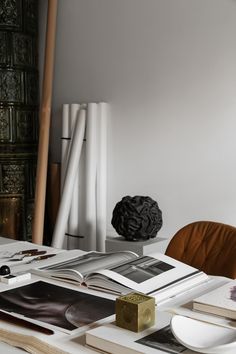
pixel 89 262
pixel 55 307
pixel 148 273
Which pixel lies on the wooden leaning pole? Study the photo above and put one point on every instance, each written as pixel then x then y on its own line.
pixel 44 122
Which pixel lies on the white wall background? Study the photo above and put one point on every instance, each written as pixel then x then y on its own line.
pixel 168 70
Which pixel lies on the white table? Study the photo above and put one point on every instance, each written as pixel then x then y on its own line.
pixel 5 348
pixel 76 343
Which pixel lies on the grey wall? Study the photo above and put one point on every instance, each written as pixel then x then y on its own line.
pixel 168 70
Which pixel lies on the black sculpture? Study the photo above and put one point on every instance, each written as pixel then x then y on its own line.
pixel 137 218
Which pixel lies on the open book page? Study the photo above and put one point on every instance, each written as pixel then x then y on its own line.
pixel 157 274
pixel 148 274
pixel 171 290
pixel 76 268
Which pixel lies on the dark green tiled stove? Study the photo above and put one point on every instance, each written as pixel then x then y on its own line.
pixel 18 115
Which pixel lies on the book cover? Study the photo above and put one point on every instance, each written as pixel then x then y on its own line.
pixel 220 301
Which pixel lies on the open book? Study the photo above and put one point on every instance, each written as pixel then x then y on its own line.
pixel 118 273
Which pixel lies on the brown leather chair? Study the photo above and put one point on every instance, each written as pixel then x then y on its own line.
pixel 206 245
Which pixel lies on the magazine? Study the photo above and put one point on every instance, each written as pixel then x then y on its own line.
pixel 121 272
pixel 220 301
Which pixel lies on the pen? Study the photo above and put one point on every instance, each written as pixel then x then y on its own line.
pixel 22 252
pixel 40 258
pixel 26 251
pixel 28 254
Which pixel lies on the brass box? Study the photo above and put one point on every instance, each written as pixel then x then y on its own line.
pixel 135 311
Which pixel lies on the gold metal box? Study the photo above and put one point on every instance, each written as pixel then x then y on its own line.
pixel 135 311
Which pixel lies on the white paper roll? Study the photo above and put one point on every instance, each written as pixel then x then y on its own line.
pixel 64 141
pixel 65 146
pixel 101 176
pixel 73 220
pixel 90 175
pixel 70 177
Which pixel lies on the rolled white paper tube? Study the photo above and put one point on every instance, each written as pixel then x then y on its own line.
pixel 74 109
pixel 64 141
pixel 101 176
pixel 73 220
pixel 65 145
pixel 72 169
pixel 90 176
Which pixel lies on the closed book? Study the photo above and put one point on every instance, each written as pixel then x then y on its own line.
pixel 220 301
pixel 158 339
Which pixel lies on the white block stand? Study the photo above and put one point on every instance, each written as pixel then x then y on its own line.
pixel 157 244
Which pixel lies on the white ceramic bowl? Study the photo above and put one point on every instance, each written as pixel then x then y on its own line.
pixel 203 337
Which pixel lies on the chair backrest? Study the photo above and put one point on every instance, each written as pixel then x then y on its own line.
pixel 206 245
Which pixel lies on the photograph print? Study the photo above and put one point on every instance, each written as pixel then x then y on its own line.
pixel 163 339
pixel 142 269
pixel 55 305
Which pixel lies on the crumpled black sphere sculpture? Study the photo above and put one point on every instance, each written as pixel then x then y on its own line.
pixel 137 218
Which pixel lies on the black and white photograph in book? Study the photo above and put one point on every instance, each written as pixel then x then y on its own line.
pixel 56 305
pixel 163 340
pixel 142 269
pixel 80 263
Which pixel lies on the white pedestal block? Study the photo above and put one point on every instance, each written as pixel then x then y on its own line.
pixel 157 244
